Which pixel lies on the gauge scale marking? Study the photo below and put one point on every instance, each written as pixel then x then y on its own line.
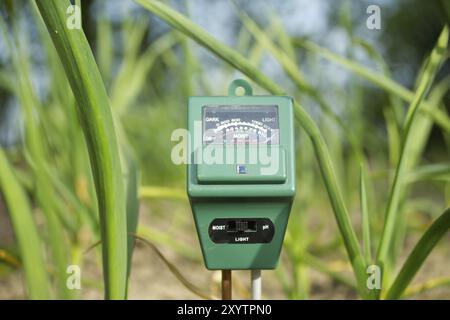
pixel 241 124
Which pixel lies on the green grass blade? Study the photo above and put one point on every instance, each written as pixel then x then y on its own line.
pixel 129 83
pixel 289 65
pixel 392 209
pixel 420 129
pixel 31 249
pixel 36 156
pixel 432 172
pixel 379 79
pixel 435 60
pixel 64 130
pixel 440 117
pixel 235 59
pixel 375 77
pixel 365 216
pixel 283 37
pixel 132 182
pixel 393 112
pixel 132 185
pixel 393 135
pixel 436 112
pixel 105 48
pixel 420 252
pixel 97 124
pixel 205 39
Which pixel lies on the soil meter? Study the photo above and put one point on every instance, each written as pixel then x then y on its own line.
pixel 241 176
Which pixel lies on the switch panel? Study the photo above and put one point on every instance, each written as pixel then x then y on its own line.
pixel 241 231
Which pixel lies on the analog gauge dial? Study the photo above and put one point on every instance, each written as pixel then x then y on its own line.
pixel 240 124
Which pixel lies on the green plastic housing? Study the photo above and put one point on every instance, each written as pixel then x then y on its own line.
pixel 217 191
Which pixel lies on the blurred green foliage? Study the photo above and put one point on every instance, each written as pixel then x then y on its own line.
pixel 359 95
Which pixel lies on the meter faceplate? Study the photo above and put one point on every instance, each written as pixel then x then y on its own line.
pixel 286 142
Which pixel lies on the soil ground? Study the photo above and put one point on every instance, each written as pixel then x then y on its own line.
pixel 151 278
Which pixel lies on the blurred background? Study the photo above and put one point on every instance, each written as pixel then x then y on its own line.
pixel 150 70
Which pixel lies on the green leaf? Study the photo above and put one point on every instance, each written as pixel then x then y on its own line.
pixel 283 37
pixel 105 48
pixel 437 172
pixel 365 216
pixel 392 209
pixel 289 65
pixel 376 78
pixel 132 184
pixel 435 111
pixel 30 246
pixel 97 124
pixel 128 83
pixel 420 252
pixel 36 156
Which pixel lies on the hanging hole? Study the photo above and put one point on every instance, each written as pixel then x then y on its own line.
pixel 240 91
pixel 240 87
